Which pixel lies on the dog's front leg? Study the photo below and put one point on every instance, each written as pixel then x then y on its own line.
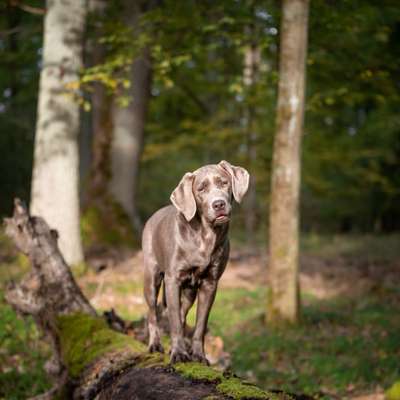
pixel 206 298
pixel 178 348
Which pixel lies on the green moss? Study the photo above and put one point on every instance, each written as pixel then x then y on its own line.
pixel 23 262
pixel 230 386
pixel 148 360
pixel 393 393
pixel 236 389
pixel 85 338
pixel 198 371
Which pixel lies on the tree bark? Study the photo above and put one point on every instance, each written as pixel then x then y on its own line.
pixel 252 60
pixel 55 181
pixel 90 360
pixel 100 169
pixel 128 130
pixel 283 299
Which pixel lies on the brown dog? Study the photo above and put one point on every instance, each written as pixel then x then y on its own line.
pixel 187 246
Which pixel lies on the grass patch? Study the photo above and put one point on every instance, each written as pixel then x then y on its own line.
pixel 22 356
pixel 369 248
pixel 340 344
pixel 22 353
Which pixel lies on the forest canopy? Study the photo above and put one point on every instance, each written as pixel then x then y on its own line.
pixel 202 109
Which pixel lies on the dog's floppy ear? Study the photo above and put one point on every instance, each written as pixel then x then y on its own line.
pixel 240 179
pixel 182 197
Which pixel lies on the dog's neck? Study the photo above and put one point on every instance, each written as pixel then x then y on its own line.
pixel 209 231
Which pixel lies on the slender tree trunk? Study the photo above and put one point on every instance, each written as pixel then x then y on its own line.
pixel 100 170
pixel 128 127
pixel 283 299
pixel 55 181
pixel 252 60
pixel 127 143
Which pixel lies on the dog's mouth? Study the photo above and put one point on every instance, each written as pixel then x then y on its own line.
pixel 221 218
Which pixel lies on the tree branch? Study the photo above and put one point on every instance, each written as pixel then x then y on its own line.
pixel 27 8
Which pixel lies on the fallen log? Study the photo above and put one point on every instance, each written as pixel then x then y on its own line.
pixel 90 359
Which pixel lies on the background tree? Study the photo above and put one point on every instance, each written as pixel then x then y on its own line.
pixel 283 297
pixel 101 100
pixel 129 122
pixel 55 180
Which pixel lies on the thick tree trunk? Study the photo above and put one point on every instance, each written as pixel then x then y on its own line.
pixel 55 181
pixel 283 300
pixel 128 126
pixel 92 361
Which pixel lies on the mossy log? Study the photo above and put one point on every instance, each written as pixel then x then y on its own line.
pixel 90 359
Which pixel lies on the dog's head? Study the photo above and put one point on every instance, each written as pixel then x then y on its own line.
pixel 209 191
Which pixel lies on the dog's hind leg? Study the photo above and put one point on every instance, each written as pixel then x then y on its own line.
pixel 152 283
pixel 188 296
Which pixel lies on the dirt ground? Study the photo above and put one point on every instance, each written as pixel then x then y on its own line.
pixel 320 277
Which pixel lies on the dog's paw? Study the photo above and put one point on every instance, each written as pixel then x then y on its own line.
pixel 179 355
pixel 200 357
pixel 156 347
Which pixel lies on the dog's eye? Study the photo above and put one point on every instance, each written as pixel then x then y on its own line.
pixel 201 188
pixel 224 183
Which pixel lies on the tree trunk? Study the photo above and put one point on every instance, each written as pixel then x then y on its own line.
pixel 55 181
pixel 252 60
pixel 101 115
pixel 92 361
pixel 129 124
pixel 283 300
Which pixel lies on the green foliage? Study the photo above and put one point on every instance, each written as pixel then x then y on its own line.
pixel 110 227
pixel 393 393
pixel 200 106
pixel 351 147
pixel 21 35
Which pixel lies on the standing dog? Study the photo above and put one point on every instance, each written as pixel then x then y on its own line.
pixel 187 246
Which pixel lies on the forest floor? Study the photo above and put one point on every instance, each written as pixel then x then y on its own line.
pixel 347 346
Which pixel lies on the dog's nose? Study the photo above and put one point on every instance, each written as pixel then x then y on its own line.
pixel 218 205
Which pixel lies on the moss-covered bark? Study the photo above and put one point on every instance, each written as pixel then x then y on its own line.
pixel 99 357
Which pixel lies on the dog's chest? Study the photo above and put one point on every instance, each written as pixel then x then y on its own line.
pixel 199 264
